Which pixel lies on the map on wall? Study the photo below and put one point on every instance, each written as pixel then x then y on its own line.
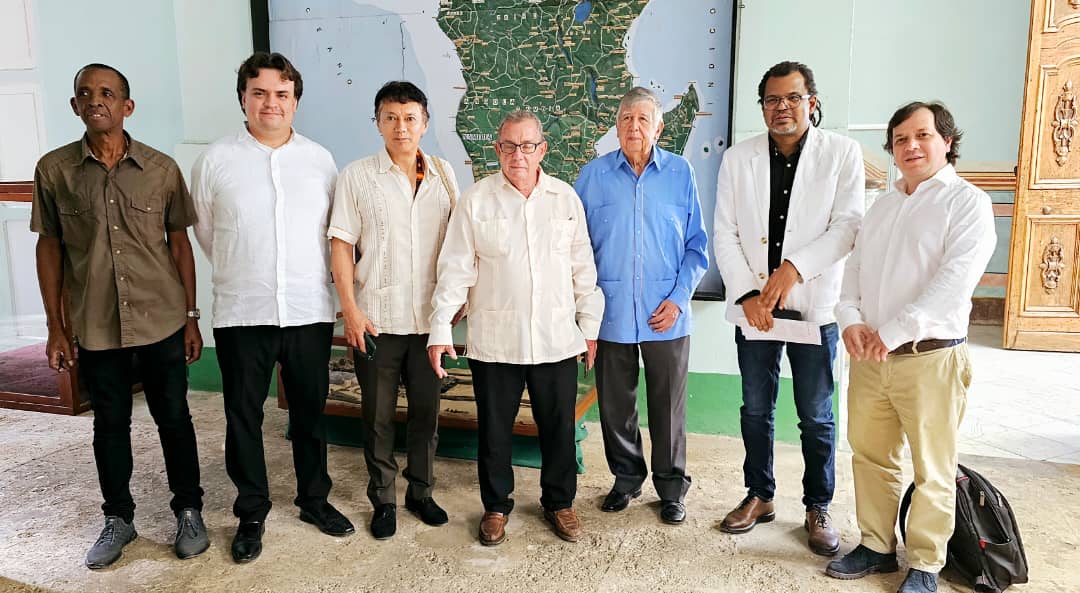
pixel 568 61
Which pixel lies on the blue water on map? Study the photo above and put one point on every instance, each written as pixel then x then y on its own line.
pixel 582 11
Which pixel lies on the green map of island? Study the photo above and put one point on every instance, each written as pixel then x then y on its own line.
pixel 564 60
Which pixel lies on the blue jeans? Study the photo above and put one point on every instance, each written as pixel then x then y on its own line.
pixel 812 375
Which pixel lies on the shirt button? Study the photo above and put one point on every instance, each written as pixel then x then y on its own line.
pixel 789 165
pixel 781 217
pixel 115 228
pixel 777 244
pixel 764 240
pixel 117 252
pixel 112 201
pixel 785 192
pixel 762 276
pixel 125 303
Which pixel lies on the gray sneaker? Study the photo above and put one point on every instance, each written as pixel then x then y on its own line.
pixel 116 534
pixel 191 539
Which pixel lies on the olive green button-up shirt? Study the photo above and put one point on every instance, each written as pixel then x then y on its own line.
pixel 123 288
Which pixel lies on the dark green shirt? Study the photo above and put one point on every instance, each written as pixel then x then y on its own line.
pixel 122 288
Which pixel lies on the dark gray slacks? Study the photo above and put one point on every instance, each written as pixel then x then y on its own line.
pixel 666 365
pixel 399 359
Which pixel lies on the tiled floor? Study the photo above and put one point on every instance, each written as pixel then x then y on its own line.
pixel 1021 404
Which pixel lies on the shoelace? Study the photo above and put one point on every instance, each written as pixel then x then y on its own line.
pixel 821 518
pixel 108 534
pixel 187 524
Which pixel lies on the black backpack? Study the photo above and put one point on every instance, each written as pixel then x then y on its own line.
pixel 985 548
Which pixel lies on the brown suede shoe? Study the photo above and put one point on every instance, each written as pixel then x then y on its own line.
pixel 751 511
pixel 493 528
pixel 566 523
pixel 823 539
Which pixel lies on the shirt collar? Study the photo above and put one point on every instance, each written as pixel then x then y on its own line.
pixel 134 151
pixel 775 151
pixel 943 177
pixel 385 163
pixel 658 157
pixel 245 136
pixel 541 182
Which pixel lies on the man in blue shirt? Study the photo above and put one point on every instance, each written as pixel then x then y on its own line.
pixel 644 218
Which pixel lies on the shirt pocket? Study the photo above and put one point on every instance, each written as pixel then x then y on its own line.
pixel 146 216
pixel 76 220
pixel 562 235
pixel 492 237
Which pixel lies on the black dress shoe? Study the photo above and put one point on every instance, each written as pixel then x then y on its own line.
pixel 328 519
pixel 672 512
pixel 428 511
pixel 247 543
pixel 860 562
pixel 616 501
pixel 384 521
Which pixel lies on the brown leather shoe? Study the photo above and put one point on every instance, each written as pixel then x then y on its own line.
pixel 566 523
pixel 823 538
pixel 751 511
pixel 493 528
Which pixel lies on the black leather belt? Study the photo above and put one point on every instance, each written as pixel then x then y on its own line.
pixel 926 346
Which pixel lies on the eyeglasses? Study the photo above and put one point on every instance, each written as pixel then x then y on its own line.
pixel 526 147
pixel 792 100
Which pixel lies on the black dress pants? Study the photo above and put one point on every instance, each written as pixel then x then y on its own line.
pixel 552 395
pixel 162 369
pixel 399 359
pixel 247 356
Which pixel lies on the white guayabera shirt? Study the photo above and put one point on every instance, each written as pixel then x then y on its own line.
pixel 526 268
pixel 398 235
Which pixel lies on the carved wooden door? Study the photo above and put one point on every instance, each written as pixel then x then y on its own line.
pixel 1043 304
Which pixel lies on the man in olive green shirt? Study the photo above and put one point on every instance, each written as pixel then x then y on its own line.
pixel 111 215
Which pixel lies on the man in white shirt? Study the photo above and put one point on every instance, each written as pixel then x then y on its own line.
pixel 788 204
pixel 263 199
pixel 904 314
pixel 394 206
pixel 518 251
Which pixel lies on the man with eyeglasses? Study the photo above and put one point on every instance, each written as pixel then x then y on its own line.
pixel 788 205
pixel 649 238
pixel 517 250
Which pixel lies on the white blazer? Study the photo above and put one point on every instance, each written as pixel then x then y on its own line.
pixel 827 205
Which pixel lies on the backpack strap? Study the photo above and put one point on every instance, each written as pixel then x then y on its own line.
pixel 445 180
pixel 905 504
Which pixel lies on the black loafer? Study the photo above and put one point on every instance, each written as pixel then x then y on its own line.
pixel 328 519
pixel 616 501
pixel 672 512
pixel 247 543
pixel 428 510
pixel 384 521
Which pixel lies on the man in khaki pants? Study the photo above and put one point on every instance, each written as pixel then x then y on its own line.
pixel 903 311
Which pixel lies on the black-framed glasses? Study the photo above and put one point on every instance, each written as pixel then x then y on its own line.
pixel 526 147
pixel 792 100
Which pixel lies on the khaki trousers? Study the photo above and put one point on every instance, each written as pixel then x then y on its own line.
pixel 920 396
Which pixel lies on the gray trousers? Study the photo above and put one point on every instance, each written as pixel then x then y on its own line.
pixel 666 365
pixel 399 358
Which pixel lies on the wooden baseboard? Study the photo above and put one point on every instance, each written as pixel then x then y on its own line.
pixel 987 311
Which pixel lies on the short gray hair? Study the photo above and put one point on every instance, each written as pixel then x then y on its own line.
pixel 521 115
pixel 637 95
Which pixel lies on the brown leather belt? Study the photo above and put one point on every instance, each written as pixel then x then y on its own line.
pixel 926 346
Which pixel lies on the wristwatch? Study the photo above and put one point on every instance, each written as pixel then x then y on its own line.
pixel 193 313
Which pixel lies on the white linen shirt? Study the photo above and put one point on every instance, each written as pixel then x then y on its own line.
pixel 917 261
pixel 398 235
pixel 263 214
pixel 526 268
